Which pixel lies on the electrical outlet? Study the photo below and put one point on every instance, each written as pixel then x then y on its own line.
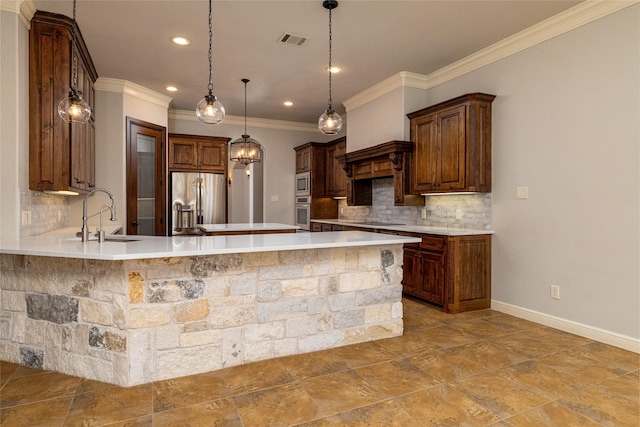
pixel 423 213
pixel 555 292
pixel 341 211
pixel 458 213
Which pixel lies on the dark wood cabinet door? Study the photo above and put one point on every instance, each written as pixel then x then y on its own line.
pixel 433 280
pixel 411 272
pixel 451 162
pixel 303 160
pixel 212 155
pixel 425 156
pixel 336 176
pixel 183 154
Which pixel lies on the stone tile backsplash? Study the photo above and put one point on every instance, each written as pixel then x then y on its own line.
pixel 42 212
pixel 441 210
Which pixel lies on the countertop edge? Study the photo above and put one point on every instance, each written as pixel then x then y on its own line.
pixel 419 229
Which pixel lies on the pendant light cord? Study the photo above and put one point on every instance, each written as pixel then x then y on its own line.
pixel 330 39
pixel 74 82
pixel 245 81
pixel 210 43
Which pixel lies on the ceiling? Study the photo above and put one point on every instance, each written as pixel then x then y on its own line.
pixel 372 40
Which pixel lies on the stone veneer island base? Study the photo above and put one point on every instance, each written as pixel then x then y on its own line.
pixel 130 322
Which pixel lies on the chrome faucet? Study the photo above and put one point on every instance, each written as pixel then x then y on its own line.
pixel 85 217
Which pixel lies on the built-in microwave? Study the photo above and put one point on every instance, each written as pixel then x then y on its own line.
pixel 303 212
pixel 303 184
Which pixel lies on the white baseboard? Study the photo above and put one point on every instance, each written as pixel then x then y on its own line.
pixel 596 334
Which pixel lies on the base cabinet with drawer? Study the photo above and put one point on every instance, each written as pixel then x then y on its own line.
pixel 453 272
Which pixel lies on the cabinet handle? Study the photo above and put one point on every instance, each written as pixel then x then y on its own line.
pixel 134 223
pixel 91 185
pixel 78 181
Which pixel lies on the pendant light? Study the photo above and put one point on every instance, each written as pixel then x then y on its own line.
pixel 330 122
pixel 209 109
pixel 74 109
pixel 245 149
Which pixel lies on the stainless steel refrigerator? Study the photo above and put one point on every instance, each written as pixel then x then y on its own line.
pixel 197 198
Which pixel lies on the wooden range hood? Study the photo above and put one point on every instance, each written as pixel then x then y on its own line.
pixel 390 159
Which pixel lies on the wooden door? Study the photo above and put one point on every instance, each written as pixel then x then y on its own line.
pixel 425 157
pixel 411 272
pixel 146 178
pixel 451 162
pixel 432 284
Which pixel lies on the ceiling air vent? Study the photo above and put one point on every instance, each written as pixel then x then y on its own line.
pixel 293 39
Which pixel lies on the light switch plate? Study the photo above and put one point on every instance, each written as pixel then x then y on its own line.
pixel 522 192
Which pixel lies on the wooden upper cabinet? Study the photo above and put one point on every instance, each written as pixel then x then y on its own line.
pixel 303 159
pixel 336 177
pixel 197 153
pixel 452 151
pixel 61 155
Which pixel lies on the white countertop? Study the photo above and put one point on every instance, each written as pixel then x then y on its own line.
pixel 261 226
pixel 58 245
pixel 442 231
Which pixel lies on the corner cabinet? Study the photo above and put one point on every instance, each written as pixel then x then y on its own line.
pixel 197 153
pixel 452 150
pixel 61 155
pixel 453 272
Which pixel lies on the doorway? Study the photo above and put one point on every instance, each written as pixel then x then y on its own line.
pixel 246 192
pixel 145 181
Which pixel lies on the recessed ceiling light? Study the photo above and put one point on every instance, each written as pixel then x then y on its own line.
pixel 172 88
pixel 182 41
pixel 334 69
pixel 288 103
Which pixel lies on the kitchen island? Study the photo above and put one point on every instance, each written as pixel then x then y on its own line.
pixel 137 309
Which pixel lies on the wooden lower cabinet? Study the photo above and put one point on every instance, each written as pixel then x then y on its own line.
pixel 452 272
pixel 455 275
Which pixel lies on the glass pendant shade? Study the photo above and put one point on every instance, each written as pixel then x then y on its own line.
pixel 245 150
pixel 330 123
pixel 209 110
pixel 74 109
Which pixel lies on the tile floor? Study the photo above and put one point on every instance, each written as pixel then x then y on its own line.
pixel 474 369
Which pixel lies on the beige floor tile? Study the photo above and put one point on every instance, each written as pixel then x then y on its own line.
pixel 610 355
pixel 32 388
pixel 341 392
pixel 491 355
pixel 580 369
pixel 499 395
pixel 254 376
pixel 387 413
pixel 409 344
pixel 397 377
pixel 284 405
pixel 104 407
pixel 541 378
pixel 322 422
pixel 480 328
pixel 613 403
pixel 144 421
pixel 363 354
pixel 445 336
pixel 540 341
pixel 45 413
pixel 186 391
pixel 220 412
pixel 7 369
pixel 444 406
pixel 551 414
pixel 448 364
pixel 314 364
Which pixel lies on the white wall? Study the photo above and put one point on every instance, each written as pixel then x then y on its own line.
pixel 566 124
pixel 14 113
pixel 115 101
pixel 279 157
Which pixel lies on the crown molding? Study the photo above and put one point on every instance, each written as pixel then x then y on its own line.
pixel 579 15
pixel 25 9
pixel 107 84
pixel 189 115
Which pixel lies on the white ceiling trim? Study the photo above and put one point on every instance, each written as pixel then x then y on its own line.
pixel 189 115
pixel 25 9
pixel 108 84
pixel 581 14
